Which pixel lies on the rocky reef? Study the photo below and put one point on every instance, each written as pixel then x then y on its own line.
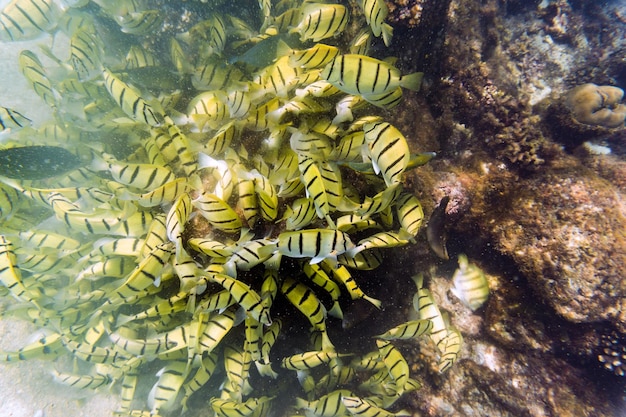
pixel 530 200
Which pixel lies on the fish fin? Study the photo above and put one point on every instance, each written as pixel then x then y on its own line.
pixel 387 32
pixel 412 81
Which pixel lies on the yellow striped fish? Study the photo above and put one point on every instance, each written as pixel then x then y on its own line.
pixel 21 20
pixel 303 298
pixel 362 408
pixel 35 73
pixel 300 214
pixel 376 12
pixel 146 274
pixel 47 345
pixel 139 57
pixel 245 296
pixel 81 381
pixel 218 213
pixel 388 149
pixel 144 177
pixel 163 394
pixel 320 21
pixel 313 57
pixel 317 244
pixel 450 348
pixel 11 119
pixel 364 75
pixel 216 74
pixel 85 50
pixel 140 23
pixel 408 330
pixel 130 101
pixel 410 213
pixel 10 275
pixel 470 284
pixel 426 308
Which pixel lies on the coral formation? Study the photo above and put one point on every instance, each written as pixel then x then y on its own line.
pixel 597 105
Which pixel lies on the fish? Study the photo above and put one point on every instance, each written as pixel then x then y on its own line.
pixel 318 276
pixel 245 296
pixel 367 76
pixel 309 360
pixel 36 75
pixel 164 392
pixel 25 20
pixel 85 53
pixel 450 347
pixel 320 21
pixel 436 231
pixel 388 149
pixel 408 330
pixel 410 213
pixel 303 299
pixel 218 213
pixel 470 284
pixel 376 12
pixel 140 22
pixel 130 101
pixel 329 405
pixel 313 57
pixel 12 119
pixel 37 162
pixel 317 244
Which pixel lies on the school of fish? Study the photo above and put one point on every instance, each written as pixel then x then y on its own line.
pixel 230 172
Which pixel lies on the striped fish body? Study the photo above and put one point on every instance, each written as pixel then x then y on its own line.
pixel 199 379
pixel 139 57
pixel 216 329
pixel 81 381
pixel 300 214
pixel 470 284
pixel 408 330
pixel 11 119
pixel 395 363
pixel 23 20
pixel 143 177
pixel 216 75
pixel 139 23
pixel 145 275
pixel 208 108
pixel 218 213
pixel 317 244
pixel 361 408
pixel 237 367
pixel 313 57
pixel 320 21
pixel 245 296
pixel 46 346
pixel 85 50
pixel 410 213
pixel 424 304
pixel 10 275
pixel 450 347
pixel 130 101
pixel 163 394
pixel 308 360
pixel 388 149
pixel 376 12
pixel 367 76
pixel 34 72
pixel 329 405
pixel 252 407
pixel 303 298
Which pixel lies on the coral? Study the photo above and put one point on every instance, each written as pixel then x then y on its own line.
pixel 597 105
